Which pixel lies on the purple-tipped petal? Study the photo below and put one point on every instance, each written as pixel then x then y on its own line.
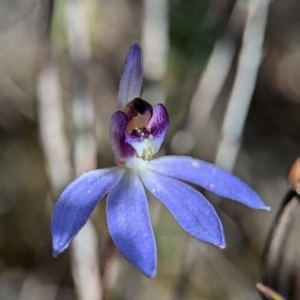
pixel 131 81
pixel 208 176
pixel 159 122
pixel 191 209
pixel 121 149
pixel 77 202
pixel 129 223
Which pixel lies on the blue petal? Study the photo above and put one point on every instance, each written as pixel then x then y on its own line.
pixel 131 81
pixel 77 202
pixel 129 223
pixel 191 209
pixel 208 176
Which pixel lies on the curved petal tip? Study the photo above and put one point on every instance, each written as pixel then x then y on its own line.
pixel 135 46
pixel 219 241
pixel 223 246
pixel 56 252
pixel 151 274
pixel 267 208
pixel 58 248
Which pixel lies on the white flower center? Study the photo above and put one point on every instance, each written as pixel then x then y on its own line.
pixel 135 163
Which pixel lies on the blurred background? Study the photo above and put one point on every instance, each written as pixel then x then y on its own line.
pixel 228 72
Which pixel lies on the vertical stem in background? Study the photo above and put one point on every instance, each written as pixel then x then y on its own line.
pixel 155 44
pixel 211 82
pixel 244 84
pixel 210 85
pixel 50 111
pixel 51 124
pixel 85 263
pixel 107 253
pixel 216 72
pixel 83 107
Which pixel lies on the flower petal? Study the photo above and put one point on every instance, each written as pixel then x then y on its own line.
pixel 77 202
pixel 159 122
pixel 191 209
pixel 121 149
pixel 208 176
pixel 129 223
pixel 131 81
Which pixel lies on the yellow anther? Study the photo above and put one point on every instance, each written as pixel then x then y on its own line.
pixel 148 129
pixel 150 136
pixel 152 150
pixel 139 131
pixel 145 140
pixel 142 134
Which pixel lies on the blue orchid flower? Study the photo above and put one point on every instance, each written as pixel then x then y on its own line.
pixel 137 131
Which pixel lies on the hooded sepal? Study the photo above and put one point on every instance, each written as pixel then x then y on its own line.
pixel 139 130
pixel 147 139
